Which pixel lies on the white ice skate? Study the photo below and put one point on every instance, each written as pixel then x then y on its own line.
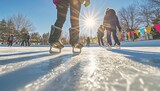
pixel 109 47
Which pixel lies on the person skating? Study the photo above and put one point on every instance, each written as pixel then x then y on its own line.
pixel 10 40
pixel 56 29
pixel 100 35
pixel 28 39
pixel 88 42
pixel 24 39
pixel 111 22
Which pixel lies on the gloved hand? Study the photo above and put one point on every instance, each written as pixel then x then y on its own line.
pixel 87 3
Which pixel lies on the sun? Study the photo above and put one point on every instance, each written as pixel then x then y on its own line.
pixel 90 22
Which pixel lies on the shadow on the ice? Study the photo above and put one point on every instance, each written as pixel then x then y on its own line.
pixel 14 80
pixel 22 53
pixel 22 59
pixel 147 58
pixel 66 81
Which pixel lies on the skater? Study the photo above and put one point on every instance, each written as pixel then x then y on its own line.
pixel 110 23
pixel 56 29
pixel 10 40
pixel 24 39
pixel 28 39
pixel 88 42
pixel 100 35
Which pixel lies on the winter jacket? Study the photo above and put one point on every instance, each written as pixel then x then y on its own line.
pixel 10 38
pixel 111 20
pixel 100 32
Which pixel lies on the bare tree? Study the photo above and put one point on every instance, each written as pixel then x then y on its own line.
pixel 155 2
pixel 128 17
pixel 45 37
pixel 36 37
pixel 145 14
pixel 21 21
pixel 149 11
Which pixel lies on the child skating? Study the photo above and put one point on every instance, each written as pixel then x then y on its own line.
pixel 111 23
pixel 56 29
pixel 100 35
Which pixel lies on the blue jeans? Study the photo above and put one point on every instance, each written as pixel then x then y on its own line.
pixel 114 33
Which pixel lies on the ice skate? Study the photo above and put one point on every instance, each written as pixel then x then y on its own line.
pixel 109 47
pixel 117 46
pixel 74 40
pixel 55 44
pixel 77 48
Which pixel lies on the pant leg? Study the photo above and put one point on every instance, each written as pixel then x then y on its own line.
pixel 102 41
pixel 11 43
pixel 62 9
pixel 22 44
pixel 115 37
pixel 55 33
pixel 75 7
pixel 99 41
pixel 109 41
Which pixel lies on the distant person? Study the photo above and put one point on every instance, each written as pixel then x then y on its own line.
pixel 28 39
pixel 24 39
pixel 100 35
pixel 88 42
pixel 10 40
pixel 111 23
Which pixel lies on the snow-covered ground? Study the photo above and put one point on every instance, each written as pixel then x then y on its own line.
pixel 95 69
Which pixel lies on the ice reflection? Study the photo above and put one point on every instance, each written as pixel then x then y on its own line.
pixel 92 65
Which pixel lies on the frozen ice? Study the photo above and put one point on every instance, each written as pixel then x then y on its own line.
pixel 95 69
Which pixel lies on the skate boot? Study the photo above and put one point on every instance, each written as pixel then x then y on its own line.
pixel 54 40
pixel 74 40
pixel 117 46
pixel 109 47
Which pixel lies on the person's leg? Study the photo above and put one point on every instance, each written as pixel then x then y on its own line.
pixel 102 41
pixel 109 41
pixel 115 37
pixel 11 43
pixel 99 41
pixel 22 44
pixel 56 29
pixel 75 7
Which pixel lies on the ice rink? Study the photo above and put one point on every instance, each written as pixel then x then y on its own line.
pixel 95 69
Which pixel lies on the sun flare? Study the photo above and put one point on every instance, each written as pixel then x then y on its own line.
pixel 90 22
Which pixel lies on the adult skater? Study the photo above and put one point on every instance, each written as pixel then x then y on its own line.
pixel 88 42
pixel 10 40
pixel 56 29
pixel 111 22
pixel 24 39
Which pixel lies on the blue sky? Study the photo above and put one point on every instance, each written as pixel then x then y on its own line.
pixel 42 13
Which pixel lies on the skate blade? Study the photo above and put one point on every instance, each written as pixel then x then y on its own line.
pixel 76 50
pixel 55 51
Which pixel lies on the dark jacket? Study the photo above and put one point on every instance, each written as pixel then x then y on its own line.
pixel 10 38
pixel 111 20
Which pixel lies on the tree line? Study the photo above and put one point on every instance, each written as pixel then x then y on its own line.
pixel 17 25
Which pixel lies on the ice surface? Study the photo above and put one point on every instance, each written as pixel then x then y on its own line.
pixel 95 69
